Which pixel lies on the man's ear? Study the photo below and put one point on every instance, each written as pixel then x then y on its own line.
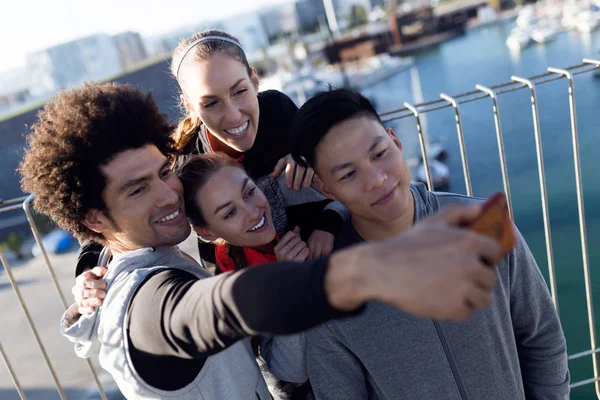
pixel 390 132
pixel 186 103
pixel 96 221
pixel 323 188
pixel 205 234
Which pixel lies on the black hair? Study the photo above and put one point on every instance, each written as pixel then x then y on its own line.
pixel 321 113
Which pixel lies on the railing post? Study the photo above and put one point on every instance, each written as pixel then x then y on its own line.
pixel 24 203
pixel 582 225
pixel 542 177
pixel 38 239
pixel 17 291
pixel 500 141
pixel 11 371
pixel 461 142
pixel 423 144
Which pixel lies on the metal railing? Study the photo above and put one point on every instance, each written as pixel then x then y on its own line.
pixel 517 83
pixel 417 111
pixel 24 203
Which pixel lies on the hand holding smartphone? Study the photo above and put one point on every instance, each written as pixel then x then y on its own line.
pixel 495 222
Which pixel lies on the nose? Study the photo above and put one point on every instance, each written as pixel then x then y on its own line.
pixel 375 178
pixel 232 112
pixel 166 195
pixel 253 212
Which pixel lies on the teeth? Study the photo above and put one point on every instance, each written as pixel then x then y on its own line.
pixel 170 217
pixel 239 130
pixel 259 225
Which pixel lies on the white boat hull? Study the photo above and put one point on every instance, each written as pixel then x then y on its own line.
pixel 541 36
pixel 518 42
pixel 587 26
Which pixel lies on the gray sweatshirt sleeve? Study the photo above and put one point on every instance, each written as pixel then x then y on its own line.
pixel 539 336
pixel 285 356
pixel 334 371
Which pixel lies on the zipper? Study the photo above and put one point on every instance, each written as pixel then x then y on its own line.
pixel 453 368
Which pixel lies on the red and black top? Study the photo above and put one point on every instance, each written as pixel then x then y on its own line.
pixel 252 256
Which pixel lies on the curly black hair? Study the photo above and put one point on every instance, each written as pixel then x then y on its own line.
pixel 76 133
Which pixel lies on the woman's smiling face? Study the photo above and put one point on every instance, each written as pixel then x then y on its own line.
pixel 235 209
pixel 220 91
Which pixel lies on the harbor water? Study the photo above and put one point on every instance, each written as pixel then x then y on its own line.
pixel 481 57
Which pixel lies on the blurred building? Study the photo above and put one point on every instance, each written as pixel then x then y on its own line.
pixel 310 14
pixel 14 88
pixel 9 100
pixel 249 30
pixel 378 3
pixel 292 19
pixel 69 64
pixel 130 48
pixel 271 23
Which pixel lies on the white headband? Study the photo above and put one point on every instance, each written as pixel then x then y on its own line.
pixel 204 39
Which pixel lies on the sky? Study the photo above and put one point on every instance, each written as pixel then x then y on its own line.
pixel 30 25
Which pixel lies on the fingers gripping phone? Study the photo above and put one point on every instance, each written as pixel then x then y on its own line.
pixel 495 222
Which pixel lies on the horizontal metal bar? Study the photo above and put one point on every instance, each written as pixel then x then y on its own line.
pixel 516 86
pixel 583 383
pixel 583 354
pixel 501 85
pixel 554 78
pixel 435 108
pixel 583 63
pixel 475 98
pixel 18 200
pixel 588 64
pixel 513 89
pixel 12 207
pixel 584 71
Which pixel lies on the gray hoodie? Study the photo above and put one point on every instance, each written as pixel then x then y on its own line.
pixel 515 349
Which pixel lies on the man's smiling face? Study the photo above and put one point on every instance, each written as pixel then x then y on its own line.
pixel 144 201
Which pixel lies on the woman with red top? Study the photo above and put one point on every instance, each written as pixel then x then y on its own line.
pixel 227 208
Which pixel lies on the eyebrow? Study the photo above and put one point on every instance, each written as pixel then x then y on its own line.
pixel 222 206
pixel 340 167
pixel 210 96
pixel 133 182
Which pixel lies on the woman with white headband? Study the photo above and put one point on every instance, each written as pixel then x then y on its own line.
pixel 225 113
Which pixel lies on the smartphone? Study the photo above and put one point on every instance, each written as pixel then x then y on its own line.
pixel 495 222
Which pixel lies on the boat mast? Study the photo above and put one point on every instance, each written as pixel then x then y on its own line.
pixel 331 19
